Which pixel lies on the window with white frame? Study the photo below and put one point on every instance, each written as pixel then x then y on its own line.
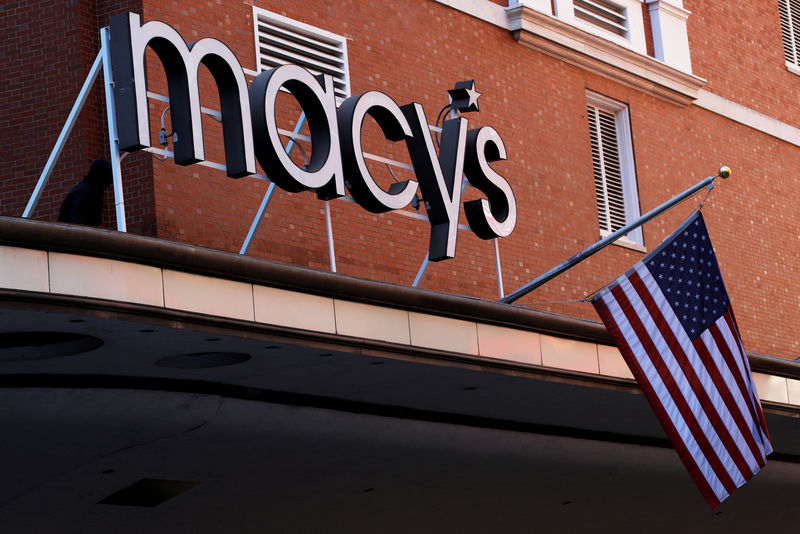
pixel 790 29
pixel 609 16
pixel 619 21
pixel 281 41
pixel 612 161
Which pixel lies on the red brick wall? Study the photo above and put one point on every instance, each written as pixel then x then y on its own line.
pixel 740 53
pixel 414 51
pixel 48 49
pixel 413 55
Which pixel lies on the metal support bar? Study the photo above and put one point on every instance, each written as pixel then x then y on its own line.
pixel 497 268
pixel 574 260
pixel 331 253
pixel 270 191
pixel 62 138
pixel 262 209
pixel 421 271
pixel 113 136
pixel 424 266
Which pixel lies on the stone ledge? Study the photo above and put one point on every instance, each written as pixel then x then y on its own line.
pixel 572 45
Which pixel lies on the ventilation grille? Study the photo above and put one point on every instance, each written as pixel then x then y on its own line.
pixel 607 169
pixel 606 15
pixel 281 41
pixel 790 28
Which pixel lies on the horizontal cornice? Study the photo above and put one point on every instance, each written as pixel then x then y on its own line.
pixel 572 45
pixel 81 240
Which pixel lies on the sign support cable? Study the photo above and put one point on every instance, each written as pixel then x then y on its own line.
pixel 103 60
pixel 113 136
pixel 498 268
pixel 331 252
pixel 62 138
pixel 262 209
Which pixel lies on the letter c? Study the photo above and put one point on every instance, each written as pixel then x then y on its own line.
pixel 358 179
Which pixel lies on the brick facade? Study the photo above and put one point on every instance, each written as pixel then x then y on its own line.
pixel 414 51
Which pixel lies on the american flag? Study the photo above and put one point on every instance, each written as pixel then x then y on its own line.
pixel 671 319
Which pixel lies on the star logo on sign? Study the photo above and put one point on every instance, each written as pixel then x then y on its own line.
pixel 465 96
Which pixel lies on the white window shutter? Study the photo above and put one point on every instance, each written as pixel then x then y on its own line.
pixel 281 41
pixel 603 14
pixel 607 171
pixel 790 29
pixel 612 163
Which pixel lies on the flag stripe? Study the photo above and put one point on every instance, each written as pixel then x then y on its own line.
pixel 671 318
pixel 727 344
pixel 734 327
pixel 730 368
pixel 672 394
pixel 714 386
pixel 697 377
pixel 732 408
pixel 731 335
pixel 743 400
pixel 710 378
pixel 712 495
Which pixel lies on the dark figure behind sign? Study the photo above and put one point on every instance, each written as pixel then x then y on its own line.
pixel 84 204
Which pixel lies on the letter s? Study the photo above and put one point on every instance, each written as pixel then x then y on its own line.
pixel 497 216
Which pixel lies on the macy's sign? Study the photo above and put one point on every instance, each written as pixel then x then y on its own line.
pixel 337 164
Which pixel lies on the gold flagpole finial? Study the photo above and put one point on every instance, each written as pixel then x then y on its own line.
pixel 724 172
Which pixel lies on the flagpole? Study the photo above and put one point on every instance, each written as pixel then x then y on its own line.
pixel 723 172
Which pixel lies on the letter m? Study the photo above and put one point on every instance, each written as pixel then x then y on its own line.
pixel 129 39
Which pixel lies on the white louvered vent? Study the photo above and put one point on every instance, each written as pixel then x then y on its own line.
pixel 603 14
pixel 607 169
pixel 790 28
pixel 281 40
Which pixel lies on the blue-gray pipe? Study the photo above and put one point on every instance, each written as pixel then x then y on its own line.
pixel 724 172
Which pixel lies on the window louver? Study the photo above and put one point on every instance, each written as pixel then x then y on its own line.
pixel 282 41
pixel 790 28
pixel 607 169
pixel 606 15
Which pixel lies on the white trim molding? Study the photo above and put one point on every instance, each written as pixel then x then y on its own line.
pixel 482 9
pixel 791 67
pixel 748 117
pixel 573 45
pixel 670 37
